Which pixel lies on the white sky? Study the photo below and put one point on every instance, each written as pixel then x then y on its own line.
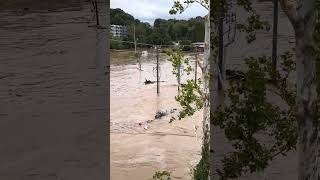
pixel 149 10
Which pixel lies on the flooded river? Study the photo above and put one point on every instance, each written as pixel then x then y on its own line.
pixel 141 144
pixel 53 95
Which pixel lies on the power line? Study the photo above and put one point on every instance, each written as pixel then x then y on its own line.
pixel 165 45
pixel 138 43
pixel 123 50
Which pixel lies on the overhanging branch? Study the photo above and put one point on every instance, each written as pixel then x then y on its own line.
pixel 202 3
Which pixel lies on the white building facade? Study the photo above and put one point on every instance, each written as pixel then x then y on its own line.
pixel 118 30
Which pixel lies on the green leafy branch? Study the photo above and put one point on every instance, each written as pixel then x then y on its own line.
pixel 180 7
pixel 190 97
pixel 258 129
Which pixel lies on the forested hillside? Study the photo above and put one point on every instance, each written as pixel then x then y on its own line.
pixel 162 32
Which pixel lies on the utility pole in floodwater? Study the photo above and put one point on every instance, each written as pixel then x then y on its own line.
pixel 134 38
pixel 179 76
pixel 275 36
pixel 221 46
pixel 158 90
pixel 97 13
pixel 196 67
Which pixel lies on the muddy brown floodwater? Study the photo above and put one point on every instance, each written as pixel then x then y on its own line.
pixel 53 96
pixel 137 152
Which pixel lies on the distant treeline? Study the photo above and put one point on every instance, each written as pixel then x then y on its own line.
pixel 163 32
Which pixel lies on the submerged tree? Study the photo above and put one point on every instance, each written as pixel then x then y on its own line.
pixel 195 95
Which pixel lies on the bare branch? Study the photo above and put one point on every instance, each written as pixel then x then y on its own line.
pixel 202 3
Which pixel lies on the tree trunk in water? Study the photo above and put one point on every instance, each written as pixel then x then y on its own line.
pixel 205 74
pixel 308 122
pixel 216 87
pixel 216 100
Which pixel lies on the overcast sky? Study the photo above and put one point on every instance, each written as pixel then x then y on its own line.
pixel 149 10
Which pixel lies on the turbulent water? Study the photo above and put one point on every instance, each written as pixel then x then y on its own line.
pixel 52 91
pixel 140 143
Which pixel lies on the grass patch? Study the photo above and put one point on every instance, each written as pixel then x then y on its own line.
pixel 121 58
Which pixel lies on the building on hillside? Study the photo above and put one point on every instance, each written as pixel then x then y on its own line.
pixel 118 30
